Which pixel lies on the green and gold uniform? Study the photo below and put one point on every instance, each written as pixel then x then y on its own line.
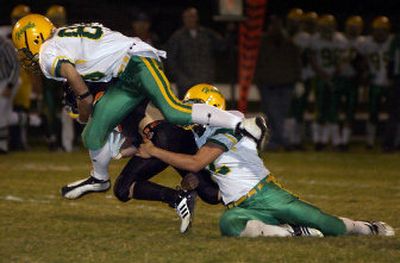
pixel 251 193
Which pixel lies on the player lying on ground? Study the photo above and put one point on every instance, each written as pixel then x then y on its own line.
pixel 92 52
pixel 256 204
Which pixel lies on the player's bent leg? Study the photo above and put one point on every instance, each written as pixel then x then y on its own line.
pixel 233 222
pixel 289 209
pixel 108 112
pixel 157 87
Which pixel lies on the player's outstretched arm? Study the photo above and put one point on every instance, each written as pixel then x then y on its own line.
pixel 85 98
pixel 192 163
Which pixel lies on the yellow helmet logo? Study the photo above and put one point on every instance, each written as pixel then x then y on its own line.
pixel 28 35
pixel 381 22
pixel 205 93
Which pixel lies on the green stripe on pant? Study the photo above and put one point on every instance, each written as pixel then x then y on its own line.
pixel 138 81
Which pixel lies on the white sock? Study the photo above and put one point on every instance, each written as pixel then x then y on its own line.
pixel 67 132
pixel 371 132
pixel 326 134
pixel 356 227
pixel 209 115
pixel 334 128
pixel 346 134
pixel 255 228
pixel 316 132
pixel 100 160
pixel 289 130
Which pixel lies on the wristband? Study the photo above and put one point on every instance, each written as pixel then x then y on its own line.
pixel 84 95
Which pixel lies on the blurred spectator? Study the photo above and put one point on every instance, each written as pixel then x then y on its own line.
pixel 349 75
pixel 392 128
pixel 294 125
pixel 375 49
pixel 52 96
pixel 191 49
pixel 141 26
pixel 278 69
pixel 309 22
pixel 9 72
pixel 327 51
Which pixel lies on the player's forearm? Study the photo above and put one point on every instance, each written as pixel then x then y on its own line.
pixel 178 160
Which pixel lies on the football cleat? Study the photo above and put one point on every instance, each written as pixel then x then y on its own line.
pixel 380 228
pixel 255 128
pixel 304 231
pixel 185 209
pixel 79 188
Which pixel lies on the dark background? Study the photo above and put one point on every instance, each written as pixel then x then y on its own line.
pixel 166 14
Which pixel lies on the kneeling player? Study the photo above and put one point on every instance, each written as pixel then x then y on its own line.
pixel 256 204
pixel 133 182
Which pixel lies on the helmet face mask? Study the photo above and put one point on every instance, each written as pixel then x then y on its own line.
pixel 28 61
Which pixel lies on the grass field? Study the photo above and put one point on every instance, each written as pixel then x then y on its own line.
pixel 36 225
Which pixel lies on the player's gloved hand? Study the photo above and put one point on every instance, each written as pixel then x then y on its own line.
pixel 115 140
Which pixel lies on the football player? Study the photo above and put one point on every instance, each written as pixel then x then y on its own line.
pixel 375 49
pixel 347 81
pixel 133 182
pixel 295 123
pixel 327 49
pixel 52 94
pixel 256 203
pixel 94 53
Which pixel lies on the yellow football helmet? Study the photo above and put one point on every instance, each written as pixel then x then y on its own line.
pixel 28 35
pixel 381 22
pixel 295 14
pixel 57 14
pixel 327 20
pixel 310 17
pixel 355 21
pixel 18 12
pixel 205 93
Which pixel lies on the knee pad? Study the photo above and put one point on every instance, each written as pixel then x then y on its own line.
pixel 121 190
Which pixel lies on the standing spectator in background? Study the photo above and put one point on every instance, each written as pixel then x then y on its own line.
pixel 141 26
pixel 191 52
pixel 392 128
pixel 9 73
pixel 278 69
pixel 18 119
pixel 52 94
pixel 327 51
pixel 375 49
pixel 349 76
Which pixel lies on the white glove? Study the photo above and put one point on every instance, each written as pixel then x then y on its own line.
pixel 115 140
